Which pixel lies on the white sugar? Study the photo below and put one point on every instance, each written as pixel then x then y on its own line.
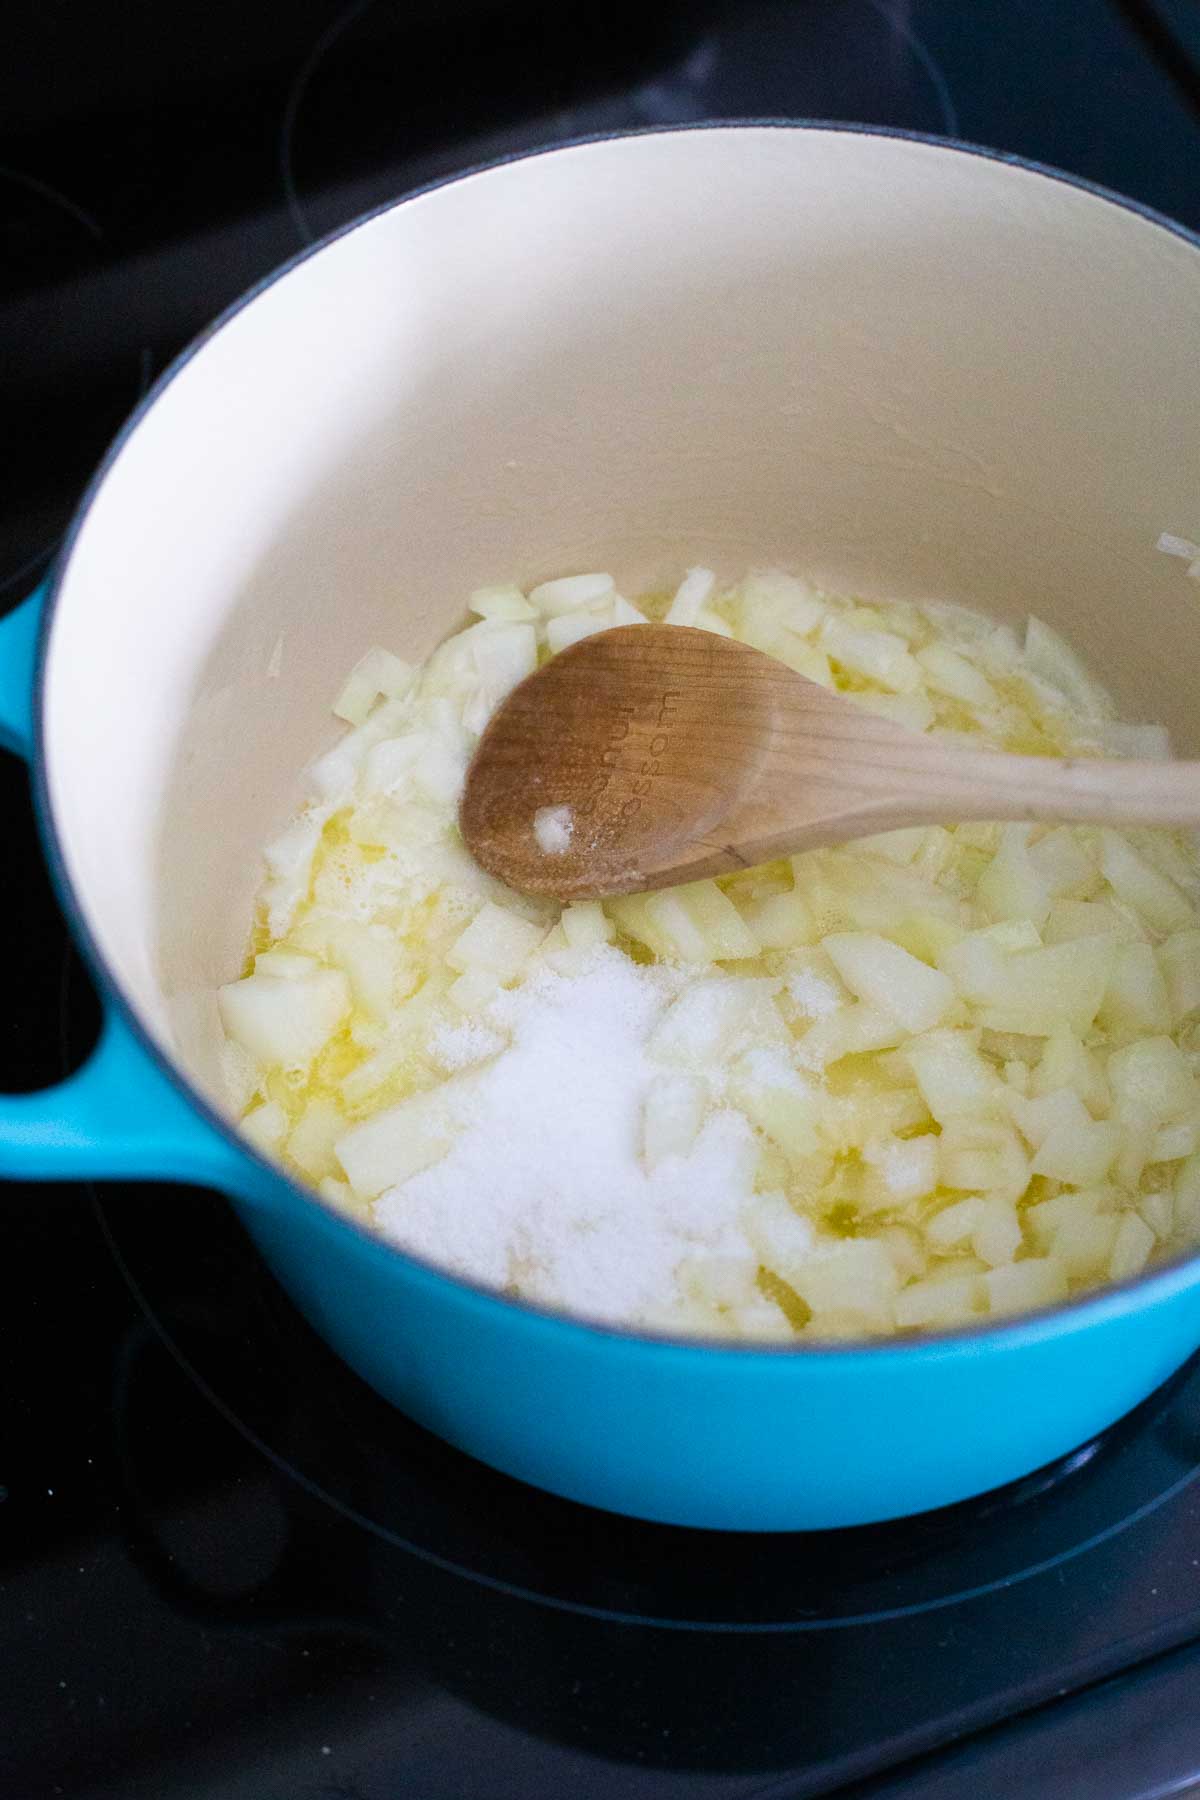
pixel 543 1191
pixel 812 995
pixel 553 827
pixel 461 1046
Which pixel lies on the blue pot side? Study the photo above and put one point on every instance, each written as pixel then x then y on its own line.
pixel 731 1440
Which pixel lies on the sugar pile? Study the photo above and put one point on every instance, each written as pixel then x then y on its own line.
pixel 544 1189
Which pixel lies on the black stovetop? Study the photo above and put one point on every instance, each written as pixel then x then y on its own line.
pixel 227 1568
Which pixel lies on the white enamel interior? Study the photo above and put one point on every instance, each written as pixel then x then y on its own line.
pixel 905 369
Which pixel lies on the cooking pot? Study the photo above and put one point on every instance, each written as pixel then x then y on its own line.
pixel 910 368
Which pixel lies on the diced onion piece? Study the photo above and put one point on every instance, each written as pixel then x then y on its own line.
pixel 718 920
pixel 907 1167
pixel 782 1103
pixel 954 1079
pixel 1065 1062
pixel 807 660
pixel 1081 1153
pixel 1135 999
pixel 720 1281
pixel 1064 863
pixel 1137 1142
pixel 899 847
pixel 389 763
pixel 709 1016
pixel 780 1235
pixel 779 921
pixel 998 651
pixel 241 1077
pixel 1151 1079
pixel 1089 918
pixel 285 965
pixel 1179 959
pixel 340 1194
pixel 503 656
pixel 370 960
pixel 266 1127
pixel 853 1031
pixel 708 620
pixel 586 925
pixel 1186 1191
pixel 913 711
pixel 569 628
pixel 907 1251
pixel 503 601
pixel 693 593
pixel 283 1024
pixel 888 978
pixel 983 1155
pixel 1082 1245
pixel 1021 1286
pixel 672 1114
pixel 1052 658
pixel 1048 1217
pixel 1010 935
pixel 953 1225
pixel 1171 545
pixel 1158 1210
pixel 1151 894
pixel 926 935
pixel 694 923
pixel 377 675
pixel 570 593
pixel 785 600
pixel 1038 1117
pixel 393 1145
pixel 813 984
pixel 1013 887
pixel 997 1236
pixel 473 991
pixel 1132 1248
pixel 289 858
pixel 1063 983
pixel 852 1275
pixel 949 673
pixel 881 656
pixel 439 773
pixel 496 941
pixel 625 613
pixel 1171 1142
pixel 311 1142
pixel 939 1300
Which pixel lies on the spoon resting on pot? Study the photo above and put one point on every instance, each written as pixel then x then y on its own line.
pixel 650 755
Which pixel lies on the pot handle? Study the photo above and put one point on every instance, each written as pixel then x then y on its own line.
pixel 19 632
pixel 120 1114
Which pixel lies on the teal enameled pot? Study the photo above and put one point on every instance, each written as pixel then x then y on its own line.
pixel 912 368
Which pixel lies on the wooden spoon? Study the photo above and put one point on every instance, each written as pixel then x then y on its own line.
pixel 682 754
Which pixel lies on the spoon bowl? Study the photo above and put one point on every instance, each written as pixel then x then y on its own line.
pixel 666 754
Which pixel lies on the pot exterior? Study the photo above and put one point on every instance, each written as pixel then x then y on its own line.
pixel 725 1440
pixel 765 296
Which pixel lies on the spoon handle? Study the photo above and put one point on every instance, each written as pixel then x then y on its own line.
pixel 962 783
pixel 876 777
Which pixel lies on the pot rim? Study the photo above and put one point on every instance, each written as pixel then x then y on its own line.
pixel 1080 1313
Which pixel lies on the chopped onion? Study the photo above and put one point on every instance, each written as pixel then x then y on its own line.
pixel 378 675
pixel 963 1061
pixel 692 594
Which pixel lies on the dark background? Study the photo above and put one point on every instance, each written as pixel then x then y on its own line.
pixel 226 1569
